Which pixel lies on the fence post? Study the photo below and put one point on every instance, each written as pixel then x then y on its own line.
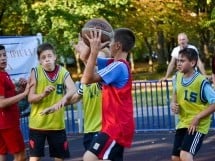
pixel 79 112
pixel 80 117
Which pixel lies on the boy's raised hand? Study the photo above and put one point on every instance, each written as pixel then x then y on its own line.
pixel 95 41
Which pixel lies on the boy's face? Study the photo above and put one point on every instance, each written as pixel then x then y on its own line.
pixel 3 60
pixel 83 50
pixel 114 47
pixel 47 60
pixel 184 65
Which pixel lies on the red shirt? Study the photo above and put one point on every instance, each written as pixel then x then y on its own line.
pixel 117 113
pixel 9 116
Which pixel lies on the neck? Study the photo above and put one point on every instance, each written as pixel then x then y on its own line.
pixel 184 46
pixel 121 55
pixel 189 73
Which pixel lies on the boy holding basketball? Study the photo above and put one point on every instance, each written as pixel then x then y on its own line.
pixel 117 107
pixel 192 94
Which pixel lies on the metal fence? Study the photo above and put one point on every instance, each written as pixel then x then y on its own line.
pixel 151 109
pixel 152 105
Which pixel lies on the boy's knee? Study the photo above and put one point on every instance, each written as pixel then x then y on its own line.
pixel 186 156
pixel 21 156
pixel 175 158
pixel 89 156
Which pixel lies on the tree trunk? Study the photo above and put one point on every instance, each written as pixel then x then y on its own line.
pixel 149 46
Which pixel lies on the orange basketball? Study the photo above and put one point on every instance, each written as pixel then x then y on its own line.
pixel 98 23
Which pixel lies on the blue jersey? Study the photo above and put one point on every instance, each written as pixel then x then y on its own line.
pixel 115 73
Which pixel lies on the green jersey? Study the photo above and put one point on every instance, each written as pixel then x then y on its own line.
pixel 54 121
pixel 92 106
pixel 191 101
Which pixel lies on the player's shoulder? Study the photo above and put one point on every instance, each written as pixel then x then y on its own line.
pixel 192 47
pixel 175 51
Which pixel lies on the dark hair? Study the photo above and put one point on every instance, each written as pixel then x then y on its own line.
pixel 190 54
pixel 126 37
pixel 43 47
pixel 2 47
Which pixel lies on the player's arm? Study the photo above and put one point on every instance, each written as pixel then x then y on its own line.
pixel 70 91
pixel 89 75
pixel 4 102
pixel 213 78
pixel 209 96
pixel 201 115
pixel 34 97
pixel 74 98
pixel 174 104
pixel 170 68
pixel 201 66
pixel 20 85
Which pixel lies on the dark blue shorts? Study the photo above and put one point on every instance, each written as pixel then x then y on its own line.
pixel 187 142
pixel 87 139
pixel 106 148
pixel 56 139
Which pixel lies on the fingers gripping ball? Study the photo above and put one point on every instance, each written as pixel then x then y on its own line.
pixel 98 23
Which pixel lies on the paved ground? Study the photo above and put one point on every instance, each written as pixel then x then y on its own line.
pixel 147 146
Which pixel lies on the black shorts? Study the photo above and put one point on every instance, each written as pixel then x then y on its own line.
pixel 106 148
pixel 87 139
pixel 57 141
pixel 187 142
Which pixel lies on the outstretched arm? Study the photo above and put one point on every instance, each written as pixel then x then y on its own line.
pixel 170 68
pixel 70 91
pixel 201 66
pixel 62 103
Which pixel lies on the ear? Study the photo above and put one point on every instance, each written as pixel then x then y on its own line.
pixel 118 45
pixel 55 57
pixel 194 63
pixel 40 62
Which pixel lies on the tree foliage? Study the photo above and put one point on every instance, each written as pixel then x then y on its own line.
pixel 156 23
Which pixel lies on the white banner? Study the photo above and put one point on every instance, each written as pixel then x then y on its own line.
pixel 21 54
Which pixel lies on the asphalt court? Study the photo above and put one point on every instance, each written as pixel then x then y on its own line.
pixel 147 146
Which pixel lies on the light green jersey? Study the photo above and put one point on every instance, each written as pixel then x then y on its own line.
pixel 191 101
pixel 92 106
pixel 54 121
